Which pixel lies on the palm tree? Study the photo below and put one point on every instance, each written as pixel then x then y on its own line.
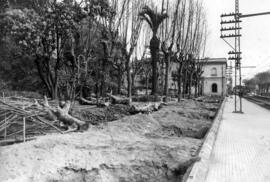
pixel 154 19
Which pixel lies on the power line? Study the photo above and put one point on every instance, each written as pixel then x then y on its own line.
pixel 233 31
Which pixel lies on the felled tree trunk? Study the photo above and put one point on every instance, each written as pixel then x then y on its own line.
pixel 84 101
pixel 119 100
pixel 148 108
pixel 61 114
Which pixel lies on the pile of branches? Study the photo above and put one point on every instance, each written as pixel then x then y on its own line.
pixel 22 120
pixel 147 107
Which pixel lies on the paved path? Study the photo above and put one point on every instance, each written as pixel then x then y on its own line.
pixel 242 149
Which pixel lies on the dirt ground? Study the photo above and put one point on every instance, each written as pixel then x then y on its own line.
pixel 138 148
pixel 96 115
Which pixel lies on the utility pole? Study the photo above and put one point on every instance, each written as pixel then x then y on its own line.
pixel 233 27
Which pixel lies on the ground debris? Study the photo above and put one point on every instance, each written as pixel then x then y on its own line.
pixel 156 147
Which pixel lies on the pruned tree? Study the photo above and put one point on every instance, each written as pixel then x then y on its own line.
pixel 190 42
pixel 168 34
pixel 137 66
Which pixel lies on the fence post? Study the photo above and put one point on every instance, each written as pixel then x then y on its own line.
pixel 5 132
pixel 24 128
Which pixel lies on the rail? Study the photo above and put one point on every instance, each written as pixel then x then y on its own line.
pixel 259 100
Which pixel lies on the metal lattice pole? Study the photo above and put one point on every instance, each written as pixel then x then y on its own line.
pixel 236 55
pixel 235 34
pixel 238 51
pixel 237 16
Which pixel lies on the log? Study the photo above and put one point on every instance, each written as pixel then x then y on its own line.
pixel 146 108
pixel 47 123
pixel 84 101
pixel 119 100
pixel 103 104
pixel 61 113
pixel 94 102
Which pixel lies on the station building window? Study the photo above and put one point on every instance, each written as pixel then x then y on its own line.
pixel 214 72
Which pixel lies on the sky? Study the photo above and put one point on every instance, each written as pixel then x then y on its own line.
pixel 255 41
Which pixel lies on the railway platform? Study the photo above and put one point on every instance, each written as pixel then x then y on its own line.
pixel 242 149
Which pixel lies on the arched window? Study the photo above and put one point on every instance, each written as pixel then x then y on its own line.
pixel 214 88
pixel 214 72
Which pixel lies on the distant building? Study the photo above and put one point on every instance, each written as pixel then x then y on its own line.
pixel 213 81
pixel 214 76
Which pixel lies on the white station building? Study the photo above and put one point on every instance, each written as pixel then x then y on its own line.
pixel 214 76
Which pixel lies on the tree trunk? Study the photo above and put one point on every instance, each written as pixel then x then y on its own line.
pixel 103 79
pixel 133 83
pixel 184 83
pixel 190 84
pixel 97 89
pixel 154 47
pixel 196 86
pixel 147 108
pixel 55 90
pixel 44 78
pixel 129 82
pixel 147 84
pixel 162 75
pixel 119 100
pixel 119 81
pixel 166 90
pixel 61 114
pixel 180 81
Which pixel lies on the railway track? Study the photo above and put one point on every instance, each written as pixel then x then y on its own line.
pixel 259 100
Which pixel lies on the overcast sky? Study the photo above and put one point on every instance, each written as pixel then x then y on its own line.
pixel 255 42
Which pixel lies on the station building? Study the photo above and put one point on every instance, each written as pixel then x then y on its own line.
pixel 214 81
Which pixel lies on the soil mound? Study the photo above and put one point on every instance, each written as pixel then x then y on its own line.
pixel 144 147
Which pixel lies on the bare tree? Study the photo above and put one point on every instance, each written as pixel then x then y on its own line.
pixel 130 33
pixel 168 41
pixel 190 41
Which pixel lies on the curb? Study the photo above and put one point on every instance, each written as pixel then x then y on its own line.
pixel 199 170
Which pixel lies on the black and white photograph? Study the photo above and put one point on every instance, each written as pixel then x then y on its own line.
pixel 134 91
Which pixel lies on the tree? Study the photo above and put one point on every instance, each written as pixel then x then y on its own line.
pixel 131 25
pixel 138 67
pixel 154 19
pixel 14 72
pixel 147 72
pixel 168 42
pixel 190 41
pixel 49 38
pixel 263 81
pixel 4 5
pixel 250 84
pixel 110 20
